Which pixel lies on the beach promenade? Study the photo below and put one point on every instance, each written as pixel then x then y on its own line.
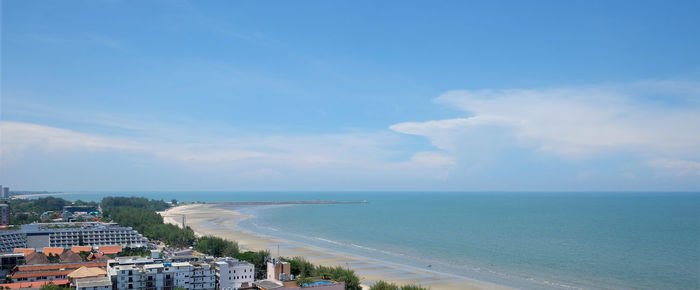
pixel 209 219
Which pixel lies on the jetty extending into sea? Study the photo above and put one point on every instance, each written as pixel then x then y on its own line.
pixel 288 202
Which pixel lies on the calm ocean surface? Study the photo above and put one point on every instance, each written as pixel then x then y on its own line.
pixel 542 240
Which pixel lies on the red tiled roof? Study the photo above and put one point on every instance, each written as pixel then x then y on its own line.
pixel 78 249
pixel 70 257
pixel 40 274
pixel 86 272
pixel 60 266
pixel 54 251
pixel 36 284
pixel 35 258
pixel 110 250
pixel 25 251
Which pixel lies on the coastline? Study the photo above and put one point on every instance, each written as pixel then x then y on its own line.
pixel 207 219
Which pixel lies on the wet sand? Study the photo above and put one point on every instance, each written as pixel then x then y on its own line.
pixel 206 219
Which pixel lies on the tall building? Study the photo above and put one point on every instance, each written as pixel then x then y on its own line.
pixel 4 192
pixel 233 274
pixel 4 214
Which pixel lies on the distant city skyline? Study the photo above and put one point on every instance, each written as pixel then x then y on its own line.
pixel 356 96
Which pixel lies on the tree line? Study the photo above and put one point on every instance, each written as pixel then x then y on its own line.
pixel 304 270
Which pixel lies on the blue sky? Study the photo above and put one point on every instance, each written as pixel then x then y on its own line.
pixel 350 95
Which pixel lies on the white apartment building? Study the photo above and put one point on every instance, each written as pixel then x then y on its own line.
pixel 165 276
pixel 233 274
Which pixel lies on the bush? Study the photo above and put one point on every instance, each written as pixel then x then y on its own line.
pixel 304 280
pixel 140 251
pixel 352 282
pixel 381 285
pixel 300 266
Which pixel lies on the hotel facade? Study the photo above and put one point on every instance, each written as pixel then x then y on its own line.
pixel 40 235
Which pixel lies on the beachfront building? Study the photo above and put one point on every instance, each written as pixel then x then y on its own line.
pixel 144 273
pixel 40 235
pixel 279 270
pixel 232 274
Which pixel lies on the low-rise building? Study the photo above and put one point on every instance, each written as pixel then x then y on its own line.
pixel 232 274
pixel 46 272
pixel 86 272
pixel 279 270
pixel 9 261
pixel 98 283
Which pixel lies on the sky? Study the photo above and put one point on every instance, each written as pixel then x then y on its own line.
pixel 350 95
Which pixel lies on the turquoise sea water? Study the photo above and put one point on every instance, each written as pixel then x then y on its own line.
pixel 532 240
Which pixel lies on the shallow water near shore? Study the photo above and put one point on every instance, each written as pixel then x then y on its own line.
pixel 542 240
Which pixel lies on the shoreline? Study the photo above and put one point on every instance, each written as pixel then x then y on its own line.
pixel 208 219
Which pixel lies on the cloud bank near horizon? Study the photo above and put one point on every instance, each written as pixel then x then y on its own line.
pixel 645 135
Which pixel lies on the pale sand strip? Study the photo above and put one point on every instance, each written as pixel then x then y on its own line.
pixel 206 219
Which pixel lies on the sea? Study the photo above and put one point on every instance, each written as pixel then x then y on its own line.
pixel 531 240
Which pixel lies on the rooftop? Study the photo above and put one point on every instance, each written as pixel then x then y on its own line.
pixel 94 282
pixel 68 227
pixel 268 284
pixel 44 267
pixel 37 284
pixel 85 272
pixel 233 262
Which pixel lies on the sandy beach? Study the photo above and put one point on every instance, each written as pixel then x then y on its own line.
pixel 206 219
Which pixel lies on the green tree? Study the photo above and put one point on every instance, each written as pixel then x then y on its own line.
pixel 352 282
pixel 258 259
pixel 382 285
pixel 300 267
pixel 54 258
pixel 84 255
pixel 304 280
pixel 217 247
pixel 52 286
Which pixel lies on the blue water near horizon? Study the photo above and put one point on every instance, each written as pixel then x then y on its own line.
pixel 535 240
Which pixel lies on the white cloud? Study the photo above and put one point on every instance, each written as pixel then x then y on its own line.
pixel 574 122
pixel 679 167
pixel 277 158
pixel 432 159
